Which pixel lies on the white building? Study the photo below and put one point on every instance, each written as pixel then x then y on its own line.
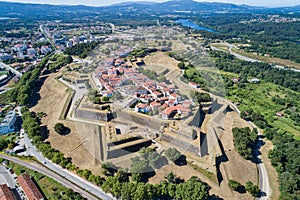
pixel 45 49
pixel 31 52
pixel 5 57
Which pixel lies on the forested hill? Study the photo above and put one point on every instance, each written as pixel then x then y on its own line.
pixel 146 9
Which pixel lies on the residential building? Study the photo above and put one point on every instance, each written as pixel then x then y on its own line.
pixel 137 89
pixel 194 85
pixel 235 80
pixel 5 57
pixel 8 123
pixel 45 49
pixel 31 52
pixel 142 108
pixel 29 188
pixel 5 193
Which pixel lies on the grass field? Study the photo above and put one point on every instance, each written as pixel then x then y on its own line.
pixel 259 98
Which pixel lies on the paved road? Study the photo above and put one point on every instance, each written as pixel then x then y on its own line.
pixel 45 33
pixel 264 184
pixel 6 178
pixel 91 188
pixel 241 57
pixel 2 65
pixel 49 173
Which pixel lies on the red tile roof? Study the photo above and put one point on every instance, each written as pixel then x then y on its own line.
pixel 5 193
pixel 155 104
pixel 28 186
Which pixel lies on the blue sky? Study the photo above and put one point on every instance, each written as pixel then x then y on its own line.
pixel 268 3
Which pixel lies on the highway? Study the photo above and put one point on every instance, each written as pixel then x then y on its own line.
pixel 43 170
pixel 46 36
pixel 2 65
pixel 82 183
pixel 241 57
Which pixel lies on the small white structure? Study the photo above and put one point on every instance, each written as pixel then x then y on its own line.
pixel 254 80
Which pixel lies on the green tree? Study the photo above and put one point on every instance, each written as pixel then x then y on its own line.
pixel 252 189
pixel 138 166
pixel 170 177
pixel 181 65
pixel 235 185
pixel 60 128
pixel 122 176
pixel 172 154
pixel 105 99
pixel 136 177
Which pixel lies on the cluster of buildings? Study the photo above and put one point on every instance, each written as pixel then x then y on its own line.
pixel 23 49
pixel 148 95
pixel 253 80
pixel 273 18
pixel 26 189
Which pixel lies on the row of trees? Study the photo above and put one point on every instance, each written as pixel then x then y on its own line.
pixel 31 125
pixel 82 50
pixel 58 61
pixel 285 158
pixel 125 190
pixel 27 86
pixel 129 185
pixel 287 78
pixel 250 187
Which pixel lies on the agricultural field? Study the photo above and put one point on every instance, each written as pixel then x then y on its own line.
pixel 269 99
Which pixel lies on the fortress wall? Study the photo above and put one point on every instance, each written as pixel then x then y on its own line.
pixel 118 152
pixel 138 118
pixel 181 144
pixel 86 114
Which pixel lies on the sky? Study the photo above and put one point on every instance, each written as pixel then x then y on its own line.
pixel 267 3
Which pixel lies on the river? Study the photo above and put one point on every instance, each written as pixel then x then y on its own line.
pixel 190 24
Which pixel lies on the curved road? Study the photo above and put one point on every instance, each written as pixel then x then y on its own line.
pixel 241 57
pixel 91 188
pixel 264 184
pixel 49 173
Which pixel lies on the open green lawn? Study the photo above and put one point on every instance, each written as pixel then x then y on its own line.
pixel 259 98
